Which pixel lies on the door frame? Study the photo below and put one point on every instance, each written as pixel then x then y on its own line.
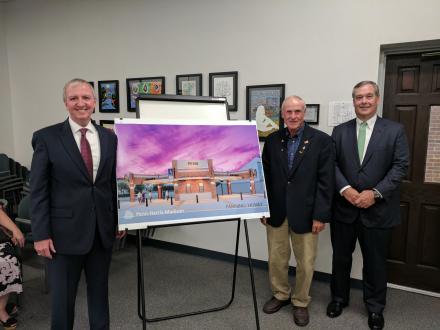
pixel 401 48
pixel 395 49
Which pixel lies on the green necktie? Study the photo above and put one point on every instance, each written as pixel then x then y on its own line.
pixel 361 139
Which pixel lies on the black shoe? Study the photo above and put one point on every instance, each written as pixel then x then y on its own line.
pixel 334 309
pixel 375 321
pixel 274 305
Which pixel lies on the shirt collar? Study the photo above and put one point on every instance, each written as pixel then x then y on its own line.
pixel 370 122
pixel 298 132
pixel 75 127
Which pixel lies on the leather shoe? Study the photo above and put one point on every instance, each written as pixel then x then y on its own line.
pixel 274 305
pixel 334 308
pixel 375 321
pixel 301 316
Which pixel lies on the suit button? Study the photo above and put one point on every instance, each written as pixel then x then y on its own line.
pixel 288 182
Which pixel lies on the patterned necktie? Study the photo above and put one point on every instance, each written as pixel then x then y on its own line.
pixel 361 139
pixel 86 152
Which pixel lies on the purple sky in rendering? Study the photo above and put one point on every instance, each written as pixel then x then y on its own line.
pixel 149 149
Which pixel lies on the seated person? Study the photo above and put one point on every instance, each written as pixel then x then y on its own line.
pixel 10 276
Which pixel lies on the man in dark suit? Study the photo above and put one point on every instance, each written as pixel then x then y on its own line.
pixel 298 166
pixel 371 161
pixel 73 206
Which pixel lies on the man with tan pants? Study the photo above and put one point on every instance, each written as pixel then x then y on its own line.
pixel 298 163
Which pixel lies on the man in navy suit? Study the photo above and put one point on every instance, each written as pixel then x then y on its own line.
pixel 299 171
pixel 371 160
pixel 73 206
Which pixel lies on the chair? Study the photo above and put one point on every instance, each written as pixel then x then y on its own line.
pixel 24 223
pixel 10 184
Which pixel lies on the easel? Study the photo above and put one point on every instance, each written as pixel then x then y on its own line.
pixel 141 288
pixel 211 108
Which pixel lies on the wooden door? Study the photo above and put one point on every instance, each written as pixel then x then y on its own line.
pixel 412 97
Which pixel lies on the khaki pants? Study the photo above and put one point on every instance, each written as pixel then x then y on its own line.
pixel 304 247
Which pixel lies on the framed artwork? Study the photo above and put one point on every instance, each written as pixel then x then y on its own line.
pixel 263 104
pixel 93 86
pixel 182 175
pixel 107 123
pixel 312 114
pixel 169 107
pixel 143 86
pixel 224 84
pixel 189 84
pixel 108 91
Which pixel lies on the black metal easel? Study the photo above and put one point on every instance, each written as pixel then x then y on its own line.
pixel 141 287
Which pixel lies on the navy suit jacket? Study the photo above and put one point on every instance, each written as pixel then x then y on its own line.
pixel 66 205
pixel 384 166
pixel 304 193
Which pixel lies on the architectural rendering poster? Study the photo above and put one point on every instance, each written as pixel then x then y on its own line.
pixel 180 173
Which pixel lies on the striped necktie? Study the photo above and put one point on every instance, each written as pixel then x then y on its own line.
pixel 361 139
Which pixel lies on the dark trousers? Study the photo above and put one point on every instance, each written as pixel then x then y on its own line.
pixel 64 274
pixel 374 243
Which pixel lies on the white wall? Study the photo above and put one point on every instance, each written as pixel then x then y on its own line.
pixel 6 136
pixel 319 49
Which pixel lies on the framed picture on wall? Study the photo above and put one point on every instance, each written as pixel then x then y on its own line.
pixel 107 123
pixel 224 84
pixel 189 84
pixel 312 114
pixel 93 86
pixel 143 86
pixel 108 92
pixel 263 104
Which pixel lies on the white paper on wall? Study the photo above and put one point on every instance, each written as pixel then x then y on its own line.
pixel 339 112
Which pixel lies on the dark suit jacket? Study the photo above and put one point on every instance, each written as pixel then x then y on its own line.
pixel 305 193
pixel 66 205
pixel 383 168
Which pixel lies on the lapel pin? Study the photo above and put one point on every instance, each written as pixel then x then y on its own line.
pixel 301 151
pixel 306 141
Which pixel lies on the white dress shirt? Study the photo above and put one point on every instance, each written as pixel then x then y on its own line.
pixel 93 137
pixel 369 130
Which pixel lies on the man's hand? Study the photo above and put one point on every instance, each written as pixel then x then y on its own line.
pixel 45 248
pixel 263 220
pixel 351 195
pixel 365 199
pixel 317 226
pixel 120 234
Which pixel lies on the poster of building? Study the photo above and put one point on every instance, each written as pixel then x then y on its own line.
pixel 179 173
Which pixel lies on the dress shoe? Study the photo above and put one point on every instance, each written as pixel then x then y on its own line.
pixel 301 316
pixel 274 305
pixel 334 309
pixel 375 321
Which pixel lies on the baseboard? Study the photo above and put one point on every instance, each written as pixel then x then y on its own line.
pixel 175 247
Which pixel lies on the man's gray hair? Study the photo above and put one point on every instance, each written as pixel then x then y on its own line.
pixel 76 81
pixel 363 83
pixel 293 97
